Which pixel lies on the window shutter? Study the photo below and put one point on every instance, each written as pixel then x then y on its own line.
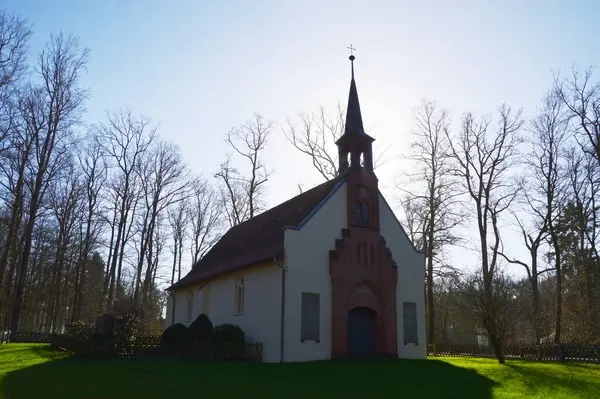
pixel 409 311
pixel 310 322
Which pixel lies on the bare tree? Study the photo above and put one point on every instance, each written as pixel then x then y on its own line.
pixel 433 208
pixel 241 193
pixel 123 139
pixel 315 135
pixel 205 221
pixel 477 303
pixel 178 222
pixel 578 234
pixel 52 109
pixel 14 36
pixel 543 193
pixel 65 199
pixel 581 96
pixel 14 183
pixel 413 210
pixel 94 175
pixel 164 183
pixel 484 163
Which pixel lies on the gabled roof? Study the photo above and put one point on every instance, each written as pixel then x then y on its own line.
pixel 259 239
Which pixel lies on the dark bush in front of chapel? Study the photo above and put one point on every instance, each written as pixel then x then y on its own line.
pixel 173 338
pixel 228 341
pixel 201 328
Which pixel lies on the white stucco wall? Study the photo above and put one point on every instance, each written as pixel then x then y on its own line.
pixel 307 263
pixel 179 299
pixel 260 319
pixel 411 280
pixel 262 306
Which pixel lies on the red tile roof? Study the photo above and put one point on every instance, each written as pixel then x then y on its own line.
pixel 258 239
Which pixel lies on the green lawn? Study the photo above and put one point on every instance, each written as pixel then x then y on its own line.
pixel 35 371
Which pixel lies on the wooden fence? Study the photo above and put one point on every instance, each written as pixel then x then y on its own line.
pixel 42 338
pixel 558 353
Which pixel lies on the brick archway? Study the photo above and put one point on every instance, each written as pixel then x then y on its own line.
pixel 364 294
pixel 356 283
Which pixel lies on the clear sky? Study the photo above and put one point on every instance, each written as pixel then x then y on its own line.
pixel 201 67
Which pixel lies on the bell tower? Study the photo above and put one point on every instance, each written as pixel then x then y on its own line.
pixel 363 273
pixel 355 150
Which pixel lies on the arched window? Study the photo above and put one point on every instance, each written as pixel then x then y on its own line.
pixel 189 306
pixel 365 215
pixel 372 255
pixel 239 296
pixel 358 211
pixel 349 159
pixel 362 160
pixel 358 252
pixel 365 253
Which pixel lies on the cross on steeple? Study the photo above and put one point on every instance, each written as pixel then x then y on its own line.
pixel 351 49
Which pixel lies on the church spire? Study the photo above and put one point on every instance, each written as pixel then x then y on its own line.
pixel 354 124
pixel 355 149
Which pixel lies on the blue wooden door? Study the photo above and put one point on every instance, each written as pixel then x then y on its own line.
pixel 361 331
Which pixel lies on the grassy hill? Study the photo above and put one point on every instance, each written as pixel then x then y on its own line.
pixel 35 371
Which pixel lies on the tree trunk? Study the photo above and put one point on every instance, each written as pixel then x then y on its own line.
pixel 496 344
pixel 558 267
pixel 430 302
pixel 22 270
pixel 175 253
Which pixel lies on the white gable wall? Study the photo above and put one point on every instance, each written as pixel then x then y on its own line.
pixel 411 279
pixel 307 263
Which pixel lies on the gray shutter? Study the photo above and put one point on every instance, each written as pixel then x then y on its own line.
pixel 409 312
pixel 310 322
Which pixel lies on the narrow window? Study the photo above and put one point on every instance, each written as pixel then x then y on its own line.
pixel 239 296
pixel 358 252
pixel 358 212
pixel 362 160
pixel 310 318
pixel 365 253
pixel 365 215
pixel 372 255
pixel 349 159
pixel 409 317
pixel 190 306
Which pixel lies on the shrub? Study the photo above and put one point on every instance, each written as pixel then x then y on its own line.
pixel 201 328
pixel 126 328
pixel 228 341
pixel 82 346
pixel 80 329
pixel 173 338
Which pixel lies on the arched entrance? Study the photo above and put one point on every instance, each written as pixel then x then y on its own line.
pixel 361 331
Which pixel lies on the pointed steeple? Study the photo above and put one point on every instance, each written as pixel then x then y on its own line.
pixel 355 149
pixel 354 122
